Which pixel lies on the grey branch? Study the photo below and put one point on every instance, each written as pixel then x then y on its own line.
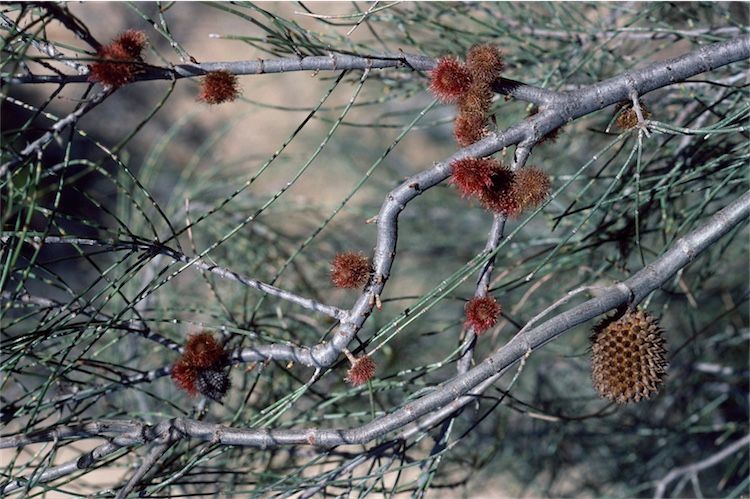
pixel 149 460
pixel 692 469
pixel 331 62
pixel 628 292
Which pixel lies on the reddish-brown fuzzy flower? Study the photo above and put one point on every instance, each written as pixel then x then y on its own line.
pixel 485 63
pixel 202 351
pixel 350 270
pixel 531 187
pixel 201 368
pixel 482 313
pixel 499 197
pixel 114 68
pixel 469 129
pixel 218 87
pixel 472 176
pixel 117 65
pixel 475 102
pixel 185 376
pixel 132 42
pixel 450 79
pixel 361 371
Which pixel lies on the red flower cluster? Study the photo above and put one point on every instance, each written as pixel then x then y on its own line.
pixel 500 197
pixel 362 371
pixel 470 85
pixel 499 189
pixel 218 87
pixel 469 128
pixel 201 369
pixel 350 270
pixel 117 65
pixel 482 313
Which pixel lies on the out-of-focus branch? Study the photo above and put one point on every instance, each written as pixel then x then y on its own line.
pixel 694 468
pixel 58 127
pixel 628 292
pixel 222 272
pixel 86 461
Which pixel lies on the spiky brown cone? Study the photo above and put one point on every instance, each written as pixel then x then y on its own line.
pixel 628 361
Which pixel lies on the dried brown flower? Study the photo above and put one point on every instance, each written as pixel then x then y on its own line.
pixel 475 102
pixel 485 63
pixel 118 60
pixel 499 197
pixel 628 118
pixel 530 188
pixel 469 129
pixel 350 270
pixel 361 371
pixel 202 367
pixel 218 87
pixel 482 313
pixel 132 42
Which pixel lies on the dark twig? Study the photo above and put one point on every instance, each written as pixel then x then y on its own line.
pixel 58 127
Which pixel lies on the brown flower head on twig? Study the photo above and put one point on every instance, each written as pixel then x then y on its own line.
pixel 218 87
pixel 485 63
pixel 118 61
pixel 482 313
pixel 628 118
pixel 202 367
pixel 361 371
pixel 350 270
pixel 469 129
pixel 472 176
pixel 530 188
pixel 499 197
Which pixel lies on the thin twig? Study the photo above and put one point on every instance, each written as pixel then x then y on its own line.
pixel 149 460
pixel 177 256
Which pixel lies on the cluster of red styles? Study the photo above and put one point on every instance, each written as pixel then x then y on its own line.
pixel 121 60
pixel 496 187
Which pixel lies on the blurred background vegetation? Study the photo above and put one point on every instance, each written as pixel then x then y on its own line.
pixel 282 199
